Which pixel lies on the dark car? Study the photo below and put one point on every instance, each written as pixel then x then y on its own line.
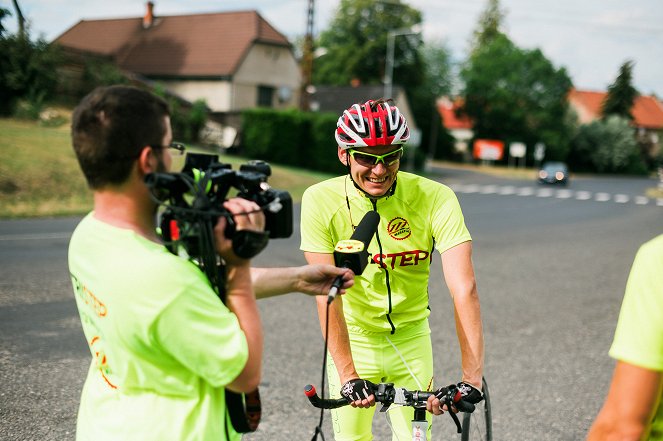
pixel 553 173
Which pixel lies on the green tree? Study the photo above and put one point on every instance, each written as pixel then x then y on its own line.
pixel 3 13
pixel 607 146
pixel 438 80
pixel 489 26
pixel 27 70
pixel 621 93
pixel 356 43
pixel 517 95
pixel 356 48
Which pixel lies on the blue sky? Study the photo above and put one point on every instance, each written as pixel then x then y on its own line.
pixel 590 38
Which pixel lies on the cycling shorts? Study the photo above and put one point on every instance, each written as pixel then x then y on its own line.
pixel 384 358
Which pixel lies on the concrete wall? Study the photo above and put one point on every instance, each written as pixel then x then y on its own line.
pixel 271 66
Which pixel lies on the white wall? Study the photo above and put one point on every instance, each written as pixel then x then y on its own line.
pixel 266 65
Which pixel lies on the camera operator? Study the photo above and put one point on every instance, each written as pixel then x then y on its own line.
pixel 164 346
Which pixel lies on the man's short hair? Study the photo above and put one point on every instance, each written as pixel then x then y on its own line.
pixel 109 129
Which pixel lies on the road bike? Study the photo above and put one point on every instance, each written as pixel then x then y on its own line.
pixel 476 425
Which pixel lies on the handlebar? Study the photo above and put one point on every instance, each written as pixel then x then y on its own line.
pixel 387 394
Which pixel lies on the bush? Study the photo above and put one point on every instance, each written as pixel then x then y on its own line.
pixel 185 121
pixel 291 137
pixel 609 146
pixel 27 72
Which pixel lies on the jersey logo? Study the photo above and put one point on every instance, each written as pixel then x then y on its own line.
pixel 399 228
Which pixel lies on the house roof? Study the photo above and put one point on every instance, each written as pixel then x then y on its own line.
pixel 338 98
pixel 203 45
pixel 647 110
pixel 448 110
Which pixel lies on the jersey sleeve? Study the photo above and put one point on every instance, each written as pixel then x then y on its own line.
pixel 315 234
pixel 202 334
pixel 639 334
pixel 448 222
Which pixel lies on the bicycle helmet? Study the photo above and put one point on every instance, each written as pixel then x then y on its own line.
pixel 370 124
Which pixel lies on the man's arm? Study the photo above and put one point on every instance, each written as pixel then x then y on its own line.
pixel 632 400
pixel 240 297
pixel 338 341
pixel 307 279
pixel 459 277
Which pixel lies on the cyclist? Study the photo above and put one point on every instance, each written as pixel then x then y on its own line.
pixel 164 346
pixel 378 331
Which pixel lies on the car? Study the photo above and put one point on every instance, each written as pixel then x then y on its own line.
pixel 553 173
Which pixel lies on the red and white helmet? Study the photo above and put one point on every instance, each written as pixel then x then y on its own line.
pixel 370 124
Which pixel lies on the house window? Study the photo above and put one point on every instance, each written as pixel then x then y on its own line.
pixel 265 96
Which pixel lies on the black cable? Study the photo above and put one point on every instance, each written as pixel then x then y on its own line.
pixel 318 429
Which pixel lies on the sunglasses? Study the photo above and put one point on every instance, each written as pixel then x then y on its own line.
pixel 370 160
pixel 176 148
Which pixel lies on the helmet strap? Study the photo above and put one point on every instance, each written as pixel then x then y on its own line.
pixel 388 193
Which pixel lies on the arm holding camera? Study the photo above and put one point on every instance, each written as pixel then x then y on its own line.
pixel 240 297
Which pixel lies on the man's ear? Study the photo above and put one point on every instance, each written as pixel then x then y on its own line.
pixel 343 155
pixel 147 161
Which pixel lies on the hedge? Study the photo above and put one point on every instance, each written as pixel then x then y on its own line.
pixel 291 137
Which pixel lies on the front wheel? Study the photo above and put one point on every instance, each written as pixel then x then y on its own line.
pixel 478 425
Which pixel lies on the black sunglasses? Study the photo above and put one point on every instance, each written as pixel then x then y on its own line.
pixel 176 148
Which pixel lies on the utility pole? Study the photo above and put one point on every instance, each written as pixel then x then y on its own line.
pixel 307 60
pixel 20 18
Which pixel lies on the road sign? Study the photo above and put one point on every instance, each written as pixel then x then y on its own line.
pixel 488 149
pixel 517 149
pixel 539 151
pixel 415 138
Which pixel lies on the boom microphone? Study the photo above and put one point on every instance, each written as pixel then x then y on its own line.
pixel 353 253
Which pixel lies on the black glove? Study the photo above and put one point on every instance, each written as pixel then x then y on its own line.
pixel 469 393
pixel 357 389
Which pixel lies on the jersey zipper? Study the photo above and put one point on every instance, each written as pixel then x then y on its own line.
pixel 386 272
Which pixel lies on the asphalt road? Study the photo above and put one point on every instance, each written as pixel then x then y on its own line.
pixel 551 269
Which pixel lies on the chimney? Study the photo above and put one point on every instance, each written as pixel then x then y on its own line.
pixel 148 19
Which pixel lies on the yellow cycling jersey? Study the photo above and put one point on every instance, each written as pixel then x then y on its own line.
pixel 420 216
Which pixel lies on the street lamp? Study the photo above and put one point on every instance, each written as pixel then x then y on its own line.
pixel 389 68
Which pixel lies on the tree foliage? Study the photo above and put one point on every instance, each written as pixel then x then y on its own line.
pixel 607 146
pixel 621 94
pixel 356 43
pixel 27 70
pixel 489 27
pixel 356 49
pixel 517 95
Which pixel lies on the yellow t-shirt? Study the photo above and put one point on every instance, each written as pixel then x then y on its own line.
pixel 639 334
pixel 421 215
pixel 163 345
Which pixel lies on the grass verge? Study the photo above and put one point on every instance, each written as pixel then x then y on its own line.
pixel 40 177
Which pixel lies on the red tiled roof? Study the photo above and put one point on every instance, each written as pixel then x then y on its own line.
pixel 447 109
pixel 184 45
pixel 647 110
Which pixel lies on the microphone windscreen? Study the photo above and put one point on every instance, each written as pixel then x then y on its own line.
pixel 367 228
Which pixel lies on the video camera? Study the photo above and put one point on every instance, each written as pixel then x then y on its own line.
pixel 193 201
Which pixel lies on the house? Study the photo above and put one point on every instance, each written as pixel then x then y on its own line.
pixel 336 99
pixel 647 117
pixel 647 114
pixel 232 60
pixel 459 125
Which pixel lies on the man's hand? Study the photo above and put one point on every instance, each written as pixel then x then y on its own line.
pixel 469 393
pixel 246 216
pixel 469 396
pixel 359 393
pixel 317 279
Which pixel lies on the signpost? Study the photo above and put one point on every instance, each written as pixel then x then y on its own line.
pixel 488 149
pixel 539 152
pixel 517 150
